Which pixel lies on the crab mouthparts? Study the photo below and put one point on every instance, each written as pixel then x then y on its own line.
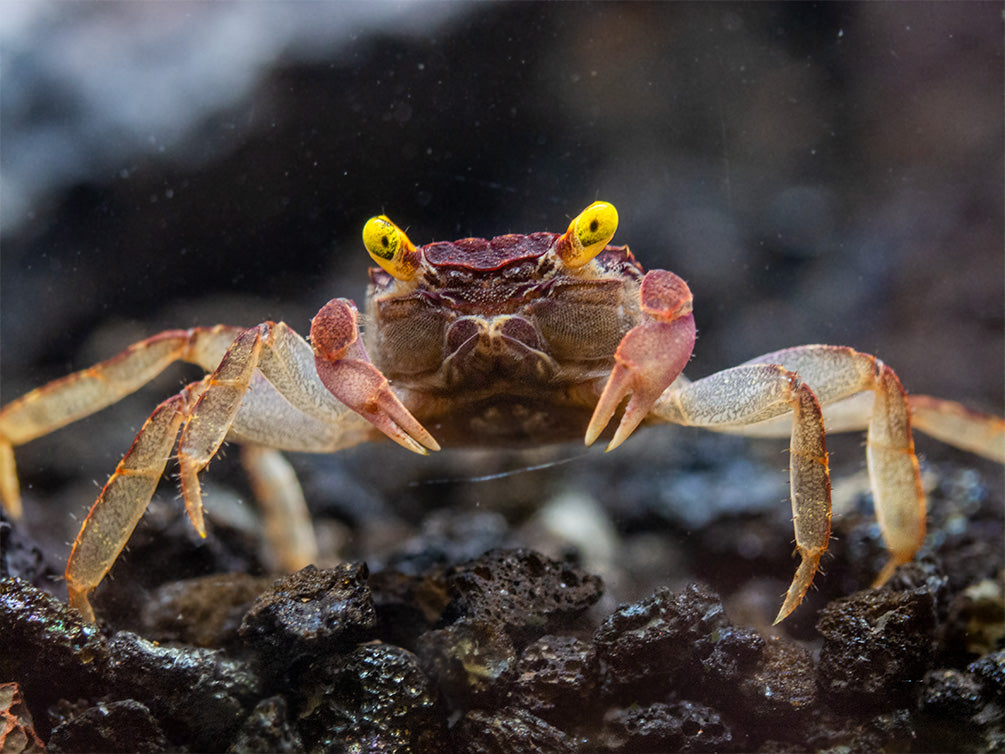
pixel 493 348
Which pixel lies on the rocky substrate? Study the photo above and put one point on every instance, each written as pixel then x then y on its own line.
pixel 506 653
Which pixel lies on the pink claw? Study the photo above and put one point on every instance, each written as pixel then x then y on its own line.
pixel 650 356
pixel 346 370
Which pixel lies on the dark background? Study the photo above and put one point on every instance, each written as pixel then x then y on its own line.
pixel 817 173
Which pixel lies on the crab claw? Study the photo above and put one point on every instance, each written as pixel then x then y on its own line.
pixel 650 356
pixel 346 370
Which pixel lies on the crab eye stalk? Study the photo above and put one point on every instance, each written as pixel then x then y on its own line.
pixel 390 248
pixel 588 234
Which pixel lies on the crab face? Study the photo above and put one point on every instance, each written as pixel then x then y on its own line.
pixel 506 336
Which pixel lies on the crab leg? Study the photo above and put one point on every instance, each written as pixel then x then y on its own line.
pixel 250 406
pixel 957 425
pixel 264 392
pixel 836 374
pixel 85 392
pixel 288 527
pixel 124 498
pixel 754 393
pixel 212 416
pixel 948 421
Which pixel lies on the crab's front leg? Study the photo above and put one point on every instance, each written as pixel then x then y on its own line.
pixel 346 370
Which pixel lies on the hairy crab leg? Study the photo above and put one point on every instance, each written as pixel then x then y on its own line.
pixel 836 374
pixel 948 421
pixel 267 370
pixel 124 498
pixel 212 415
pixel 283 406
pixel 83 393
pixel 754 393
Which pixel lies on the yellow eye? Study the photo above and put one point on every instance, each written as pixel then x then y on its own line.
pixel 390 248
pixel 588 234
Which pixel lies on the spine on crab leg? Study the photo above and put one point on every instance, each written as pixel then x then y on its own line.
pixel 125 497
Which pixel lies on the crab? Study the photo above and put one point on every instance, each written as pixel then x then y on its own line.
pixel 514 341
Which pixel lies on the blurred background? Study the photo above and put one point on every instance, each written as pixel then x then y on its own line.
pixel 816 172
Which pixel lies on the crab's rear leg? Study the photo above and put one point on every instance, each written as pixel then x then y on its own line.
pixel 953 423
pixel 85 392
pixel 959 426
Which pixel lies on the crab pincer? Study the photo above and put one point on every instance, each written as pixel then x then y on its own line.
pixel 650 356
pixel 346 370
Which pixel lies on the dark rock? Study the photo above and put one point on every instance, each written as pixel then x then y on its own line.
pixel 267 730
pixel 510 731
pixel 990 669
pixel 47 647
pixel 205 611
pixel 736 651
pixel 310 612
pixel 521 590
pixel 647 645
pixel 876 646
pixel 661 727
pixel 836 731
pixel 376 698
pixel 556 679
pixel 784 682
pixel 407 605
pixel 951 693
pixel 468 660
pixel 924 573
pixel 199 695
pixel 124 726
